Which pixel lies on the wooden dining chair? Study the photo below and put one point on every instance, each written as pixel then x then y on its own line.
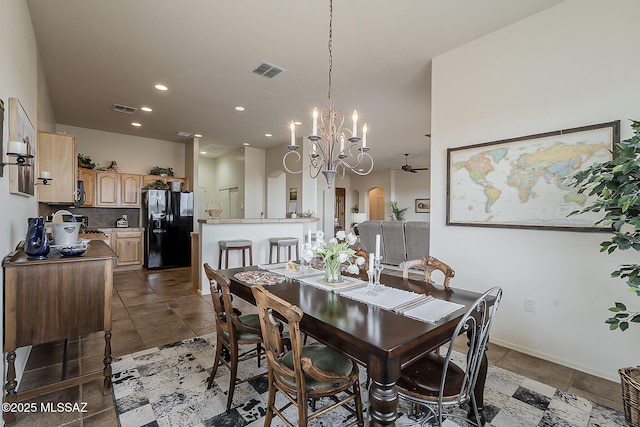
pixel 232 331
pixel 429 264
pixel 437 382
pixel 306 372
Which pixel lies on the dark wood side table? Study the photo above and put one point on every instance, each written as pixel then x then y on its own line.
pixel 52 300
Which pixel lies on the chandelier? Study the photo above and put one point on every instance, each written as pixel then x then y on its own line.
pixel 333 149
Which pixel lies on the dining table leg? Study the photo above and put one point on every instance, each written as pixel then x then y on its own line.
pixel 383 403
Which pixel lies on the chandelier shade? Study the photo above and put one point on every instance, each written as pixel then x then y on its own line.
pixel 333 148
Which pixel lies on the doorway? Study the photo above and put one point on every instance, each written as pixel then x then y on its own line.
pixel 376 203
pixel 341 202
pixel 229 203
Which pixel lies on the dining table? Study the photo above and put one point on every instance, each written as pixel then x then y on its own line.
pixel 376 335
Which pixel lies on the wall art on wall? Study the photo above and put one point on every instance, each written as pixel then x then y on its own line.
pixel 423 205
pixel 293 193
pixel 522 182
pixel 21 178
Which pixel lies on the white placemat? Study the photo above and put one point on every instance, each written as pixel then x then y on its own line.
pixel 432 310
pixel 300 274
pixel 384 296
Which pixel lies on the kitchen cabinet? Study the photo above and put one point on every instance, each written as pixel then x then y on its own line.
pixel 150 179
pixel 88 176
pixel 130 186
pixel 58 154
pixel 115 189
pixel 128 246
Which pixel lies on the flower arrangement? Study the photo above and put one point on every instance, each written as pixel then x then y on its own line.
pixel 336 253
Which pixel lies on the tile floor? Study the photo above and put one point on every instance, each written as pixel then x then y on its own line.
pixel 151 308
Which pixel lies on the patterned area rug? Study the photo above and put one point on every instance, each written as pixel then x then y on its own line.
pixel 166 386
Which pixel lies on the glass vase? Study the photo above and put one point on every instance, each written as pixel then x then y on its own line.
pixel 334 273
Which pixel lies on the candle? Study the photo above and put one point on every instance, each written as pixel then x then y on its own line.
pixel 341 143
pixel 45 174
pixel 364 136
pixel 315 122
pixel 309 240
pixel 377 246
pixel 370 262
pixel 355 123
pixel 293 133
pixel 17 147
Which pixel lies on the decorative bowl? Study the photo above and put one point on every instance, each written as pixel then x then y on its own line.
pixel 69 251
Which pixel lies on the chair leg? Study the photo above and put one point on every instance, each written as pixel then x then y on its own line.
pixel 251 255
pixel 244 259
pixel 289 252
pixel 270 253
pixel 297 252
pixel 216 361
pixel 234 374
pixel 226 258
pixel 278 249
pixel 220 259
pixel 271 402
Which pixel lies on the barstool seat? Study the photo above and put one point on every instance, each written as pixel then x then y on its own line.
pixel 280 242
pixel 234 245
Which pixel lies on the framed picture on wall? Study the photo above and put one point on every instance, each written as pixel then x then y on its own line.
pixel 522 182
pixel 423 205
pixel 21 178
pixel 293 193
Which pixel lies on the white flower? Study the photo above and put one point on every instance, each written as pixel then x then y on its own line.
pixel 351 238
pixel 320 235
pixel 360 260
pixel 353 269
pixel 343 257
pixel 341 235
pixel 333 241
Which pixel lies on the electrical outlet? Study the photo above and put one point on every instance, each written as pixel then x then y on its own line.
pixel 529 305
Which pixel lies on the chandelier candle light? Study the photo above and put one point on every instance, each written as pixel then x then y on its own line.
pixel 330 143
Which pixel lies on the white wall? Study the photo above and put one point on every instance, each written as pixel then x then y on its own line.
pixel 133 154
pixel 229 171
pixel 208 189
pixel 408 188
pixel 572 65
pixel 255 182
pixel 18 79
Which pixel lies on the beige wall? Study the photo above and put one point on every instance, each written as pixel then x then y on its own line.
pixel 133 154
pixel 571 65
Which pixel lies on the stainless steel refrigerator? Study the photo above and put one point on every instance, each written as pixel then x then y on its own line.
pixel 168 222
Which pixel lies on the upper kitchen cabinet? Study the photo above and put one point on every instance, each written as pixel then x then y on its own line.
pixel 88 176
pixel 117 189
pixel 58 153
pixel 130 185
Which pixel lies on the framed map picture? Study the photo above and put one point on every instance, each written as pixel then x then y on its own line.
pixel 522 182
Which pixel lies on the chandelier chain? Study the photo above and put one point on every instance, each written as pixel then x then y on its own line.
pixel 330 46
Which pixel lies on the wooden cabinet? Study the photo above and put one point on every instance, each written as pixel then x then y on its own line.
pixel 128 246
pixel 88 176
pixel 150 179
pixel 117 189
pixel 58 154
pixel 106 189
pixel 130 186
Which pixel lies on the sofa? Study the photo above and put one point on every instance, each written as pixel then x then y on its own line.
pixel 399 240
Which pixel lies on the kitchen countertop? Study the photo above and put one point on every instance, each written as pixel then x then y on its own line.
pixel 256 220
pixel 114 229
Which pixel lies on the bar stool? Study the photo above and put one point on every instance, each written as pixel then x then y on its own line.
pixel 280 242
pixel 234 245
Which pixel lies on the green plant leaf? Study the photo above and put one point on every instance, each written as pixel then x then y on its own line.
pixel 624 326
pixel 621 306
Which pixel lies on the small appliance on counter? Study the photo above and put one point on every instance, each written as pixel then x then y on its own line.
pixel 122 222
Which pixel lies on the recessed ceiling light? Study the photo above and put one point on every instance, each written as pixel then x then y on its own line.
pixel 160 86
pixel 203 152
pixel 198 135
pixel 297 123
pixel 136 124
pixel 147 109
pixel 239 108
pixel 246 144
pixel 268 135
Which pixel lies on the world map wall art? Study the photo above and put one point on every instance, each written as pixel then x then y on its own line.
pixel 523 182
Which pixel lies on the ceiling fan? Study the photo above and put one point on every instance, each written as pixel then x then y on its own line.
pixel 408 168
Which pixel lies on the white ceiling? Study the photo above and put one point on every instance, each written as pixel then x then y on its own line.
pixel 97 53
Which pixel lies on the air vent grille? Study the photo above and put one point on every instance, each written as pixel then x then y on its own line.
pixel 185 134
pixel 119 108
pixel 268 70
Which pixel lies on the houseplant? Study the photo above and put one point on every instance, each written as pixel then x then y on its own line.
pixel 336 253
pixel 616 186
pixel 397 214
pixel 157 170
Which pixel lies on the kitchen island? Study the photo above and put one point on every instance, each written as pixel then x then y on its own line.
pixel 55 299
pixel 257 230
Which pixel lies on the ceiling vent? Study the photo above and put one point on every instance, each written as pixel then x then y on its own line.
pixel 185 134
pixel 119 108
pixel 268 70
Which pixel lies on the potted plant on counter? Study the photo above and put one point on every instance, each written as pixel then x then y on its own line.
pixel 157 170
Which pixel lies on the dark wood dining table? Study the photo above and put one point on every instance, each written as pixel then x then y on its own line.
pixel 380 339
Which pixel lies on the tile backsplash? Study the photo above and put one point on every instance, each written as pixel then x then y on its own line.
pixel 98 217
